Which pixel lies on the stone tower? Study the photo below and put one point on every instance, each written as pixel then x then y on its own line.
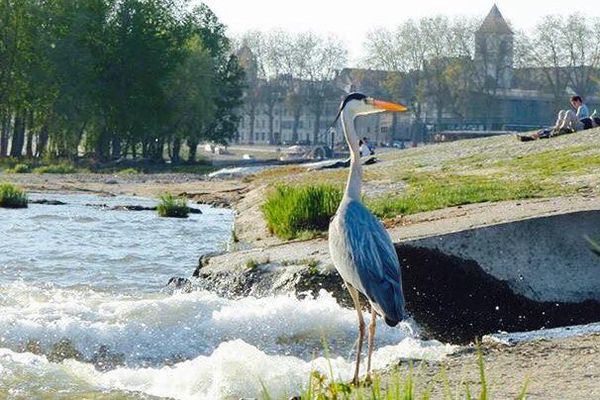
pixel 494 51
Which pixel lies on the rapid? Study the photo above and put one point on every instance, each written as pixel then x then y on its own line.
pixel 85 312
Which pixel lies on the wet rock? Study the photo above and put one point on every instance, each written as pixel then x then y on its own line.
pixel 137 208
pixel 132 208
pixel 33 346
pixel 203 261
pixel 48 202
pixel 272 278
pixel 180 284
pixel 64 350
pixel 105 360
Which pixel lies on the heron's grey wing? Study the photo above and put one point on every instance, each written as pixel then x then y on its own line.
pixel 375 260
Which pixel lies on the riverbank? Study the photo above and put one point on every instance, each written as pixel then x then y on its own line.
pixel 565 368
pixel 568 167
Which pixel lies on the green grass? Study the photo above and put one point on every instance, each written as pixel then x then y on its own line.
pixel 61 168
pixel 128 171
pixel 12 197
pixel 575 160
pixel 398 385
pixel 428 191
pixel 304 211
pixel 173 207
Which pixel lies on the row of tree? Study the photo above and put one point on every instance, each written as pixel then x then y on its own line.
pixel 296 70
pixel 114 78
pixel 443 62
pixel 440 65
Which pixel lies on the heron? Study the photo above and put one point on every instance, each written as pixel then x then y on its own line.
pixel 360 247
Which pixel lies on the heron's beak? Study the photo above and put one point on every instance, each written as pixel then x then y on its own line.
pixel 385 105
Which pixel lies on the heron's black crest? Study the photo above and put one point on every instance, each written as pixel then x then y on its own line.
pixel 350 97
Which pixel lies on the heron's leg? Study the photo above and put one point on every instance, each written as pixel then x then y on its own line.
pixel 371 340
pixel 361 330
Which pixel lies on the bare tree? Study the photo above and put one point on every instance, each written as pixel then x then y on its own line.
pixel 324 58
pixel 544 51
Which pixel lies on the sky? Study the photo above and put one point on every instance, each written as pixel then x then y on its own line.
pixel 350 20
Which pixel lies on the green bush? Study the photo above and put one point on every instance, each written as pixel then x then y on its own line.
pixel 173 207
pixel 19 169
pixel 62 168
pixel 297 211
pixel 12 197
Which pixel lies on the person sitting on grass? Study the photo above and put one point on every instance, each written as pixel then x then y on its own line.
pixel 568 121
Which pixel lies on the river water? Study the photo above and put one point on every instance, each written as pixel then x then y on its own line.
pixel 94 278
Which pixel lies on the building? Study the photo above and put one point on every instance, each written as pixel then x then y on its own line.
pixel 498 97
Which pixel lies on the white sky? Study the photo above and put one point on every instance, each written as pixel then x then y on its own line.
pixel 352 19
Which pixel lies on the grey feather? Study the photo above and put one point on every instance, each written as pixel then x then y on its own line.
pixel 365 257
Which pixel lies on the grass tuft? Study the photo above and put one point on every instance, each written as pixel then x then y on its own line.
pixel 172 207
pixel 293 212
pixel 12 197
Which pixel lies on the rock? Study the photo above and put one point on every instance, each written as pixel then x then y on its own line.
pixel 64 350
pixel 132 208
pixel 48 202
pixel 105 360
pixel 181 284
pixel 515 276
pixel 34 347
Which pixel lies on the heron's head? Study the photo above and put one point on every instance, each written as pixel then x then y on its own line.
pixel 356 104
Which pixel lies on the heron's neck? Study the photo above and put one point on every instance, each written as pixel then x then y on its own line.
pixel 355 177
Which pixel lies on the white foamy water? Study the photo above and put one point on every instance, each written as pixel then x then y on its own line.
pixel 94 278
pixel 228 347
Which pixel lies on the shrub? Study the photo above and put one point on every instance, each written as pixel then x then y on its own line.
pixel 62 168
pixel 20 169
pixel 12 197
pixel 173 207
pixel 295 211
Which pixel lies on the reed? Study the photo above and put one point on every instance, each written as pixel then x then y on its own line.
pixel 172 207
pixel 12 196
pixel 302 211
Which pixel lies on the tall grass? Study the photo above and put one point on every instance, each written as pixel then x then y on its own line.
pixel 12 197
pixel 400 386
pixel 173 207
pixel 297 211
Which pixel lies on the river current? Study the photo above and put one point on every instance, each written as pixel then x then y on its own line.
pixel 95 278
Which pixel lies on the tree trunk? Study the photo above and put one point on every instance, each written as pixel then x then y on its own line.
pixel 116 148
pixel 317 127
pixel 175 158
pixel 4 129
pixel 133 150
pixel 42 142
pixel 18 139
pixel 252 120
pixel 102 145
pixel 29 144
pixel 271 120
pixel 295 128
pixel 193 145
